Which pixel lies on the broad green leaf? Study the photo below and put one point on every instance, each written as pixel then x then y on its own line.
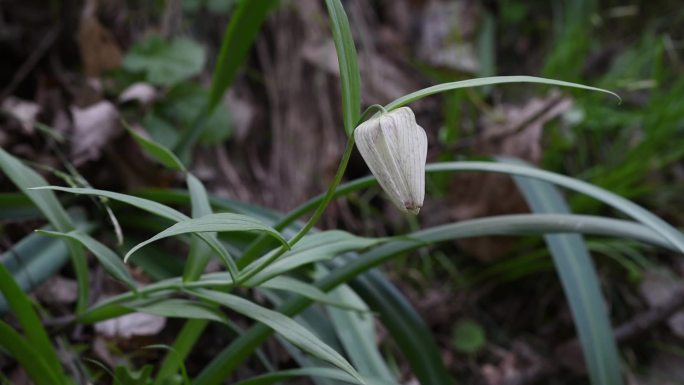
pixel 31 360
pixel 468 336
pixel 312 248
pixel 580 284
pixel 108 258
pixel 29 321
pixel 181 107
pixel 223 222
pixel 285 326
pixel 160 153
pixel 165 62
pixel 350 79
pixel 181 308
pixel 26 180
pixel 479 82
pixel 307 290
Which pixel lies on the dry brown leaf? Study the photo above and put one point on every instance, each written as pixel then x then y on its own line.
pixel 131 325
pixel 58 290
pixel 658 289
pixel 93 129
pixel 99 50
pixel 25 111
pixel 140 92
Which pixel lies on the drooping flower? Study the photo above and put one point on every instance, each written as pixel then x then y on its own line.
pixel 394 147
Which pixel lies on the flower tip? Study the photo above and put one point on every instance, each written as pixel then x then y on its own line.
pixel 412 208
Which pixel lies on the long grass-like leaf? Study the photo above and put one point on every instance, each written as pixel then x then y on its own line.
pixel 521 224
pixel 154 208
pixel 28 357
pixel 285 326
pixel 356 332
pixel 26 179
pixel 182 308
pixel 407 328
pixel 312 248
pixel 199 252
pixel 33 260
pixel 222 222
pixel 284 375
pixel 285 283
pixel 580 284
pixel 108 258
pixel 28 319
pixel 158 152
pixel 237 40
pixel 350 79
pixel 479 82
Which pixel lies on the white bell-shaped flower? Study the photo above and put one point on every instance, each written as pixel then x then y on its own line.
pixel 394 147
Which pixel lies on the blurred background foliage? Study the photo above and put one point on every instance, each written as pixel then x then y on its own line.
pixel 72 69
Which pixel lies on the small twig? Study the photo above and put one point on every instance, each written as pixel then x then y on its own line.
pixel 31 62
pixel 636 326
pixel 650 318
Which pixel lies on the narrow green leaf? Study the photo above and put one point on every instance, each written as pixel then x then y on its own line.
pixel 406 327
pixel 285 326
pixel 158 152
pixel 580 284
pixel 350 79
pixel 199 252
pixel 356 332
pixel 312 248
pixel 171 351
pixel 184 342
pixel 307 290
pixel 143 204
pixel 628 208
pixel 284 375
pixel 181 308
pixel 237 40
pixel 154 208
pixel 479 82
pixel 31 360
pixel 108 258
pixel 32 260
pixel 28 319
pixel 223 222
pixel 523 224
pixel 26 180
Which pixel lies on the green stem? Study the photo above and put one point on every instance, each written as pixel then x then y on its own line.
pixel 329 195
pixel 252 252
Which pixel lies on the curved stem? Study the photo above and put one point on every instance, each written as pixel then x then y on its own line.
pixel 252 252
pixel 329 195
